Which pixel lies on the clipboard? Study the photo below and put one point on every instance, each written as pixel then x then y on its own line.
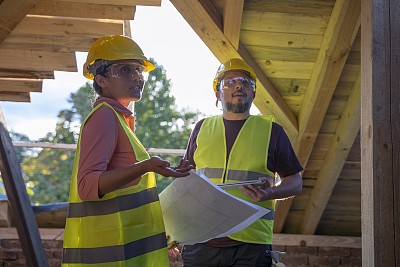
pixel 241 183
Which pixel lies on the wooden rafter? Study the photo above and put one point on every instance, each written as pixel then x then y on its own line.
pixel 19 200
pixel 336 45
pixel 233 11
pixel 83 10
pixel 346 133
pixel 11 13
pixel 203 18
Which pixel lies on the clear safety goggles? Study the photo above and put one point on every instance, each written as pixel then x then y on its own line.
pixel 128 71
pixel 246 83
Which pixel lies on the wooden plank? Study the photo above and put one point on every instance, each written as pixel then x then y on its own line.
pixel 45 233
pixel 15 97
pixel 346 133
pixel 284 22
pixel 316 241
pixel 278 239
pixel 309 7
pixel 37 60
pixel 338 40
pixel 26 74
pixel 286 70
pixel 233 11
pixel 19 201
pixel 120 2
pixel 380 135
pixel 289 86
pixel 20 85
pixel 283 54
pixel 11 14
pixel 59 26
pixel 4 220
pixel 394 121
pixel 279 39
pixel 204 21
pixel 83 10
pixel 314 7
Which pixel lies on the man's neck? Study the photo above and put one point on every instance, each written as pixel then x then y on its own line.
pixel 235 116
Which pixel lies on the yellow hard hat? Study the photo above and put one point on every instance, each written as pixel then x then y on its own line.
pixel 233 64
pixel 112 48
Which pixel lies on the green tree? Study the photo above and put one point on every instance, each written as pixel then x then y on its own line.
pixel 50 170
pixel 159 125
pixel 158 122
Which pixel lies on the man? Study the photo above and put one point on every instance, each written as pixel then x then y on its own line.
pixel 235 147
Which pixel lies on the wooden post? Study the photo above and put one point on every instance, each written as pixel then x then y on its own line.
pixel 21 208
pixel 380 132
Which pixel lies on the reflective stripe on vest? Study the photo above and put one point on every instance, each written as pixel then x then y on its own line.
pixel 124 228
pixel 247 161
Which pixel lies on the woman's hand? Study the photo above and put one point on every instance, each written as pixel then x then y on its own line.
pixel 162 167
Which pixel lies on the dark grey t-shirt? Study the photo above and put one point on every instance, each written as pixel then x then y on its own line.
pixel 281 157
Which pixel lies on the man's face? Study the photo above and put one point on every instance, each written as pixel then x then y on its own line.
pixel 236 94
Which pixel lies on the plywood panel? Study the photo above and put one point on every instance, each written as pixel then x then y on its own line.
pixel 284 22
pixel 83 10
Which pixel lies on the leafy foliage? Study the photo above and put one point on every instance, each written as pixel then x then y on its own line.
pixel 159 125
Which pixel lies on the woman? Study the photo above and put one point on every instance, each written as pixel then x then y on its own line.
pixel 114 216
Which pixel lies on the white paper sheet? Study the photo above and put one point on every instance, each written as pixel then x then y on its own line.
pixel 195 210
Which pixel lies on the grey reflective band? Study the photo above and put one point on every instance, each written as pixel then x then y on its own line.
pixel 211 172
pixel 269 215
pixel 238 175
pixel 245 175
pixel 113 205
pixel 114 253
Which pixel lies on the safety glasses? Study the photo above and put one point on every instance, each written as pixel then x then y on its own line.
pixel 246 83
pixel 128 71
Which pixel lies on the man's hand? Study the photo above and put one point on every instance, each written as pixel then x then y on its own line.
pixel 257 194
pixel 162 167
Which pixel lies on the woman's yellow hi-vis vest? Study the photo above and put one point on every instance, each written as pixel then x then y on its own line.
pixel 124 228
pixel 247 161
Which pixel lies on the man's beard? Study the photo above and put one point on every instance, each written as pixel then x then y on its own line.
pixel 237 108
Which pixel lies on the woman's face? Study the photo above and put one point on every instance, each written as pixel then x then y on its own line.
pixel 124 81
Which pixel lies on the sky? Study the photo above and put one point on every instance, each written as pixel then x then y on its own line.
pixel 163 34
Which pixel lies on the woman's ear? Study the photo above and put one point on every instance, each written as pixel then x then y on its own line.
pixel 101 80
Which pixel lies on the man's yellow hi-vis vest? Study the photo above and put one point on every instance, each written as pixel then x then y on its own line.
pixel 124 228
pixel 247 161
